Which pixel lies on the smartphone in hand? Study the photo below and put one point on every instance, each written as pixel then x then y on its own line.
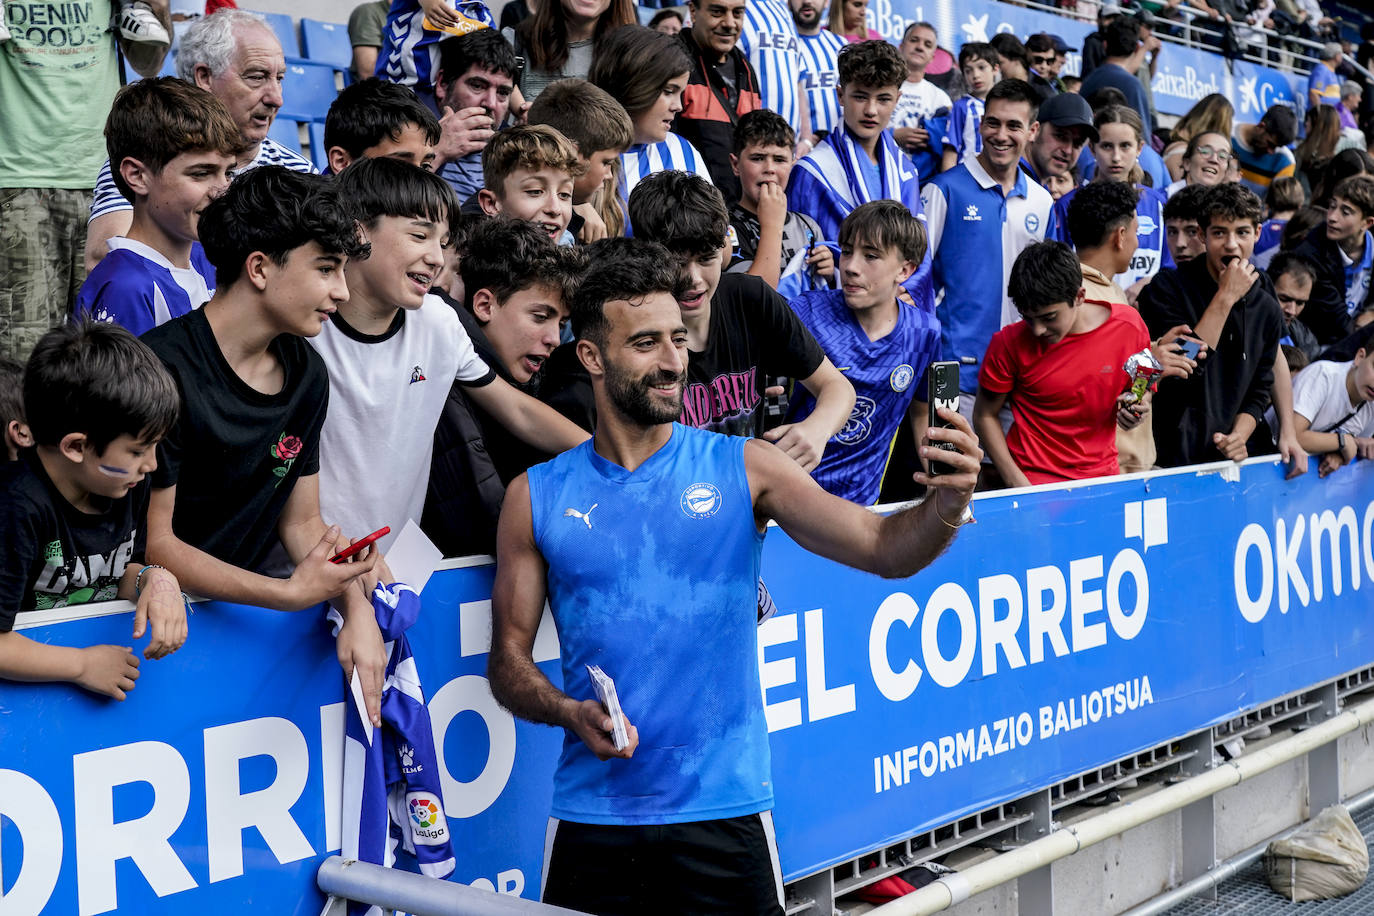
pixel 943 391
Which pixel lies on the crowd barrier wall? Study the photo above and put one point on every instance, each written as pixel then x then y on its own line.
pixel 1068 627
pixel 1184 75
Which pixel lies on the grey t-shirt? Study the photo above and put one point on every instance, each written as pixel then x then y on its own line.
pixel 577 66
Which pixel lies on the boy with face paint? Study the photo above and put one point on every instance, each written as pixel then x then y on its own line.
pixel 1065 410
pixel 74 505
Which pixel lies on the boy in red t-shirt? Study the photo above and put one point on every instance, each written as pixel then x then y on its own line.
pixel 1062 368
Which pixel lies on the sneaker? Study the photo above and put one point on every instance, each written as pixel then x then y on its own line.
pixel 138 23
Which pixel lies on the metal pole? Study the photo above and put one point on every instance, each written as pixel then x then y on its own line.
pixel 1227 869
pixel 418 895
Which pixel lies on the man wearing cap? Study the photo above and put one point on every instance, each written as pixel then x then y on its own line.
pixel 1261 150
pixel 1066 123
pixel 1324 86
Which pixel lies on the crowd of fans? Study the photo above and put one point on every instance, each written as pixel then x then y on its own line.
pixel 319 354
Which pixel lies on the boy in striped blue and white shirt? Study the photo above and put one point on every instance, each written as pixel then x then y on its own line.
pixel 981 67
pixel 174 145
pixel 646 72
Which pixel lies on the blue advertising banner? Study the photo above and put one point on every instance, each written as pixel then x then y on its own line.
pixel 1069 627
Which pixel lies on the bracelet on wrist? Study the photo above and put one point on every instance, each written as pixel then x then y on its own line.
pixel 138 580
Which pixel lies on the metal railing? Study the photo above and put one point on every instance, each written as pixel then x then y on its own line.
pixel 344 880
pixel 1195 29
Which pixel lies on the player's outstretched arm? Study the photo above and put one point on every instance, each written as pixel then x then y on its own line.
pixel 893 546
pixel 517 604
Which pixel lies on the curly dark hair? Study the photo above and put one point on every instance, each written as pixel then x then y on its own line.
pixel 1099 209
pixel 874 64
pixel 506 256
pixel 680 211
pixel 1228 202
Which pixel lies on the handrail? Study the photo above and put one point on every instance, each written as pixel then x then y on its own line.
pixel 956 888
pixel 392 889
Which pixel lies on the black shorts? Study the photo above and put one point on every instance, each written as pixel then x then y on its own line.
pixel 727 866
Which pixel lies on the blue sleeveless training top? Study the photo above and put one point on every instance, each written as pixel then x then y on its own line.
pixel 653 575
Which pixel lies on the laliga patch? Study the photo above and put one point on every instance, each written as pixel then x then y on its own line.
pixel 1147 224
pixel 732 238
pixel 700 500
pixel 428 827
pixel 901 378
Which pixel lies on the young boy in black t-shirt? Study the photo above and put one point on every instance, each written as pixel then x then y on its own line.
pixel 739 331
pixel 72 510
pixel 239 472
pixel 768 236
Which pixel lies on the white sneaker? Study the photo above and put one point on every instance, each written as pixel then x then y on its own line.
pixel 137 22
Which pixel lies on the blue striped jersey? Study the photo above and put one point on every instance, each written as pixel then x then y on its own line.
pixel 644 159
pixel 1152 254
pixel 393 794
pixel 107 198
pixel 964 120
pixel 137 288
pixel 769 40
pixel 886 374
pixel 819 61
pixel 410 52
pixel 975 235
pixel 654 573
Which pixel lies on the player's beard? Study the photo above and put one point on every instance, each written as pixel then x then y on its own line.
pixel 631 395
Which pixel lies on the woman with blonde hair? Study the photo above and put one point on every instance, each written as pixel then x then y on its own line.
pixel 1213 114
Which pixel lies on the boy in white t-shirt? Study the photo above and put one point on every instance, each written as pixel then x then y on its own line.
pixel 1333 410
pixel 171 147
pixel 393 350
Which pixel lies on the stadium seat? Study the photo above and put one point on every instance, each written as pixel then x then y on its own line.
pixel 318 153
pixel 308 90
pixel 326 43
pixel 287 132
pixel 285 29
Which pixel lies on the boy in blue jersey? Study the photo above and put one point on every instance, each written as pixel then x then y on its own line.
pixel 171 146
pixel 1343 250
pixel 646 542
pixel 72 508
pixel 981 214
pixel 981 66
pixel 884 345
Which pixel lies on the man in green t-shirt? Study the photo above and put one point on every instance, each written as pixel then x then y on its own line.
pixel 58 76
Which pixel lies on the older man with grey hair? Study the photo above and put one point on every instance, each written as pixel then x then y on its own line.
pixel 1351 93
pixel 235 55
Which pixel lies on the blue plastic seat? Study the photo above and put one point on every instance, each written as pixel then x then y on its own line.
pixel 318 154
pixel 287 132
pixel 285 29
pixel 326 43
pixel 308 90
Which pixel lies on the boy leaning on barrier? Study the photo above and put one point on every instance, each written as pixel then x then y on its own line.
pixel 73 506
pixel 1333 406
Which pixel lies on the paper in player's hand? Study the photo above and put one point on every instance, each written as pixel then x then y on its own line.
pixel 605 692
